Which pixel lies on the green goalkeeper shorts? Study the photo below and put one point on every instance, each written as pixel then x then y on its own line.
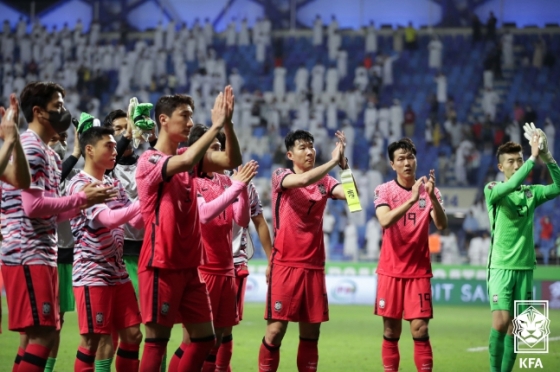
pixel 65 290
pixel 507 286
pixel 131 264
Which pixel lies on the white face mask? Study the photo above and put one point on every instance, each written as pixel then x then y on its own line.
pixel 60 149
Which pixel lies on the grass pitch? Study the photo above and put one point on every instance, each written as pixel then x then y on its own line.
pixel 350 341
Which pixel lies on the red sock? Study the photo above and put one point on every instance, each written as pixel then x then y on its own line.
pixel 390 354
pixel 308 355
pixel 154 348
pixel 196 353
pixel 115 339
pixel 176 359
pixel 84 360
pixel 127 358
pixel 34 359
pixel 210 361
pixel 269 357
pixel 423 357
pixel 19 355
pixel 224 354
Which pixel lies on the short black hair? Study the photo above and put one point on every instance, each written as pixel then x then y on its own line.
pixel 168 103
pixel 508 148
pixel 405 144
pixel 298 135
pixel 38 93
pixel 94 135
pixel 114 115
pixel 197 131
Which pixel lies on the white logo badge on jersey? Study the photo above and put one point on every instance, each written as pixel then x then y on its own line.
pixel 99 318
pixel 528 194
pixel 422 203
pixel 278 305
pixel 382 303
pixel 495 298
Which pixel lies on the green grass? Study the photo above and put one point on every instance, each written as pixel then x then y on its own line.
pixel 350 342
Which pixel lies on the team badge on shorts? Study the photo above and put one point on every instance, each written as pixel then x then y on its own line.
pixel 422 203
pixel 99 318
pixel 278 306
pixel 382 303
pixel 46 308
pixel 164 308
pixel 495 298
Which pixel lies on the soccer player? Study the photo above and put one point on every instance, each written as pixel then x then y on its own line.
pixel 170 286
pixel 296 284
pixel 511 207
pixel 16 172
pixel 104 294
pixel 405 207
pixel 29 222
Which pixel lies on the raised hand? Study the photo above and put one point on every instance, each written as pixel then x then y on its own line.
pixel 77 150
pixel 219 111
pixel 8 127
pixel 342 140
pixel 337 153
pixel 416 188
pixel 246 172
pixel 431 184
pixel 96 194
pixel 535 144
pixel 230 103
pixel 530 130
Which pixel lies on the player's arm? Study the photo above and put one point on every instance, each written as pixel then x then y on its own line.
pixel 217 161
pixel 388 217
pixel 549 192
pixel 16 172
pixel 292 181
pixel 264 234
pixel 494 192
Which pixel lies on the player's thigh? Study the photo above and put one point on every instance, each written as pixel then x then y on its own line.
pixel 223 299
pixel 126 312
pixel 194 304
pixel 284 293
pixel 500 289
pixel 314 304
pixel 390 295
pixel 32 296
pixel 418 299
pixel 94 306
pixel 523 288
pixel 241 286
pixel 65 290
pixel 161 293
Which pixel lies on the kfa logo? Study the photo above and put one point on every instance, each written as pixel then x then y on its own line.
pixel 322 189
pixel 528 194
pixel 531 328
pixel 99 318
pixel 422 203
pixel 278 306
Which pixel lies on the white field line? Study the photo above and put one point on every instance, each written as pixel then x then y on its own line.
pixel 484 348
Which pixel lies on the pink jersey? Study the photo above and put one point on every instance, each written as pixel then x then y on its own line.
pixel 31 241
pixel 172 239
pixel 98 249
pixel 405 252
pixel 298 221
pixel 216 233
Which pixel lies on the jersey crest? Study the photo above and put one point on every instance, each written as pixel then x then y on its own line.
pixel 491 185
pixel 528 194
pixel 322 189
pixel 422 203
pixel 154 158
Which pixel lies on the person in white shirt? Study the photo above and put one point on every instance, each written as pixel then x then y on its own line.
pixel 550 132
pixel 436 48
pixel 235 80
pixel 373 238
pixel 317 79
pixel 397 118
pixel 334 43
pixel 208 31
pixel 350 247
pixel 231 34
pixel 441 90
pixel 478 250
pixel 361 79
pixel 301 79
pixel 244 33
pixel 342 63
pixel 318 31
pixel 332 80
pixel 370 120
pixel 507 50
pixel 170 35
pixel 371 38
pixel 490 100
pixel 328 227
pixel 279 83
pixel 388 70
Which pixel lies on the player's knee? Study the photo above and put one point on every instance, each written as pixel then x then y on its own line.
pixel 274 335
pixel 421 331
pixel 132 336
pixel 90 341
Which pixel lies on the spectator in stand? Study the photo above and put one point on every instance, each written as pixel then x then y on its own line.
pixel 436 48
pixel 470 228
pixel 476 29
pixel 410 37
pixel 518 113
pixel 449 248
pixel 479 249
pixel 491 27
pixel 550 132
pixel 546 238
pixel 539 53
pixel 409 121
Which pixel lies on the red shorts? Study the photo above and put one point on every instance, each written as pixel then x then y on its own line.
pixel 223 298
pixel 173 296
pixel 296 294
pixel 32 295
pixel 102 309
pixel 408 298
pixel 241 284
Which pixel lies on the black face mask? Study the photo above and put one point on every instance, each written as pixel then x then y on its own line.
pixel 60 121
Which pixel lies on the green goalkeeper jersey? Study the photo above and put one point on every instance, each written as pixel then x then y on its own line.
pixel 511 207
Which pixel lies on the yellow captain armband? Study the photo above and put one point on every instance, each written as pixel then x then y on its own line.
pixel 350 191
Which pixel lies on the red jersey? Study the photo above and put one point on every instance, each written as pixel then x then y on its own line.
pixel 404 251
pixel 172 239
pixel 217 233
pixel 298 221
